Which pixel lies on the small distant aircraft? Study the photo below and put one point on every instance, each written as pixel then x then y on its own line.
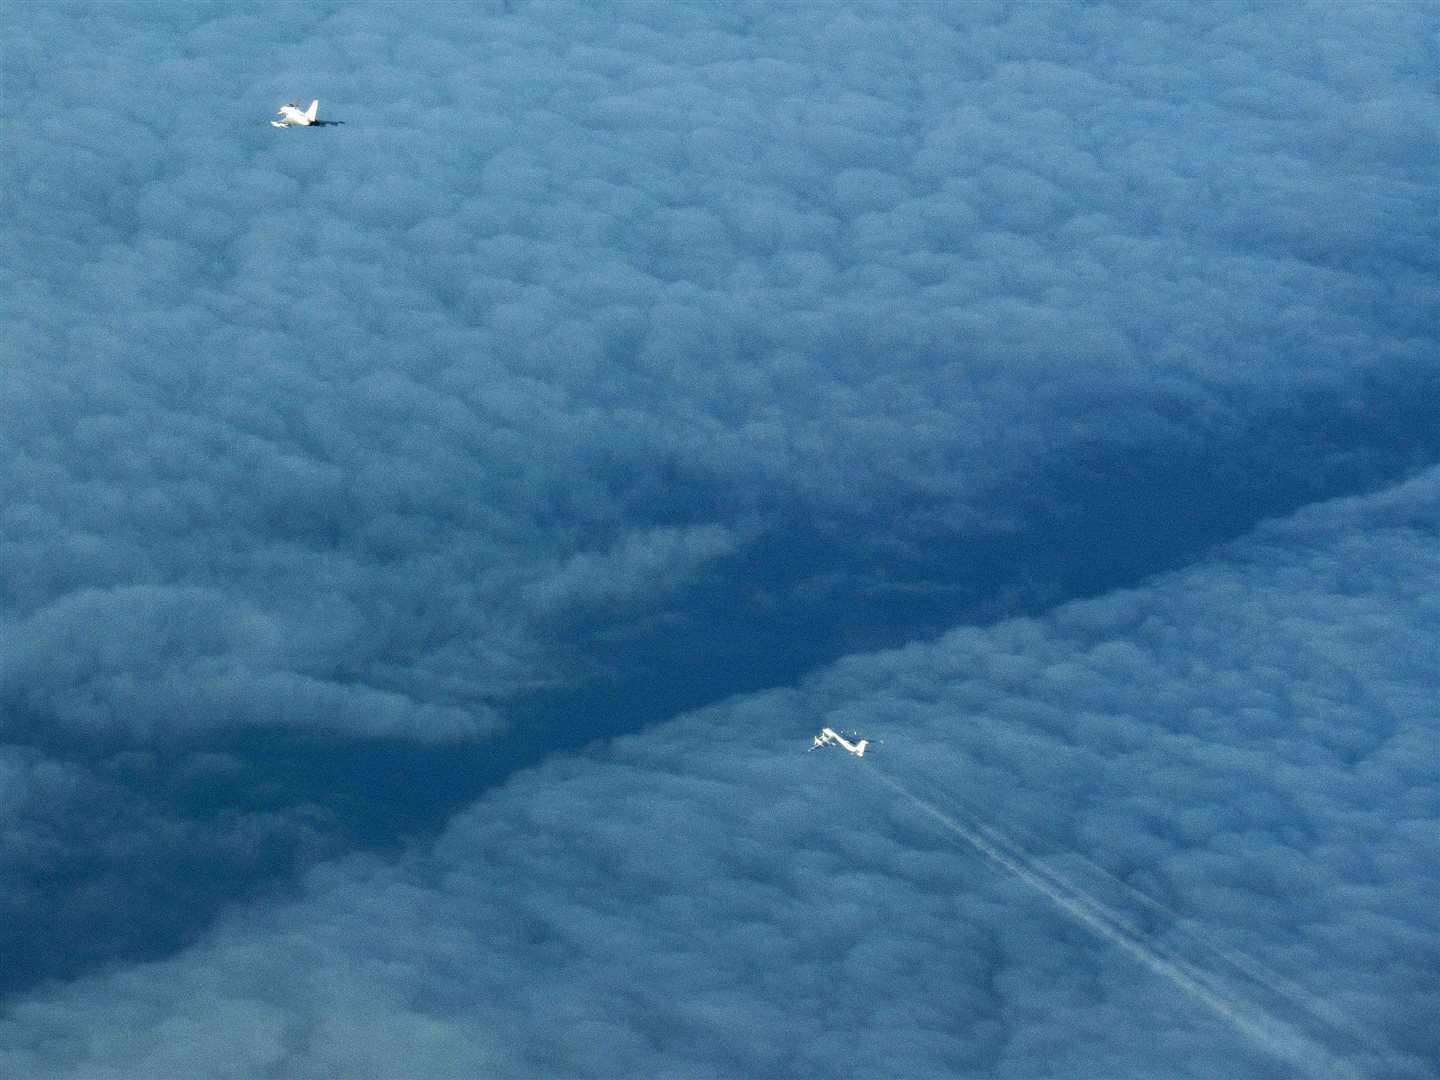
pixel 831 737
pixel 293 117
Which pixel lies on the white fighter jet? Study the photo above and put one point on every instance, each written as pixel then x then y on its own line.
pixel 291 116
pixel 831 737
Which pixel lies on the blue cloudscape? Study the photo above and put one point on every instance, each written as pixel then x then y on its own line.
pixel 1238 759
pixel 607 363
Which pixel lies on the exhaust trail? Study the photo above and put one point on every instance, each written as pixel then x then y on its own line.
pixel 1271 980
pixel 1295 995
pixel 1266 1031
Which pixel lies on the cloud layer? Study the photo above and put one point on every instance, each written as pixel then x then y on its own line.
pixel 605 363
pixel 574 305
pixel 1250 743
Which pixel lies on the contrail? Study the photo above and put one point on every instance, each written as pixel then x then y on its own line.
pixel 1297 996
pixel 1270 1033
pixel 1272 980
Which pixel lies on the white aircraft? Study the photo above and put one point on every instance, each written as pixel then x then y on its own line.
pixel 293 117
pixel 831 737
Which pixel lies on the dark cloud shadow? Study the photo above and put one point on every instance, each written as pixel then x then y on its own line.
pixel 801 597
pixel 798 597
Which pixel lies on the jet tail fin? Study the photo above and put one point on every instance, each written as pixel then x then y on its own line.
pixel 860 747
pixel 313 111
